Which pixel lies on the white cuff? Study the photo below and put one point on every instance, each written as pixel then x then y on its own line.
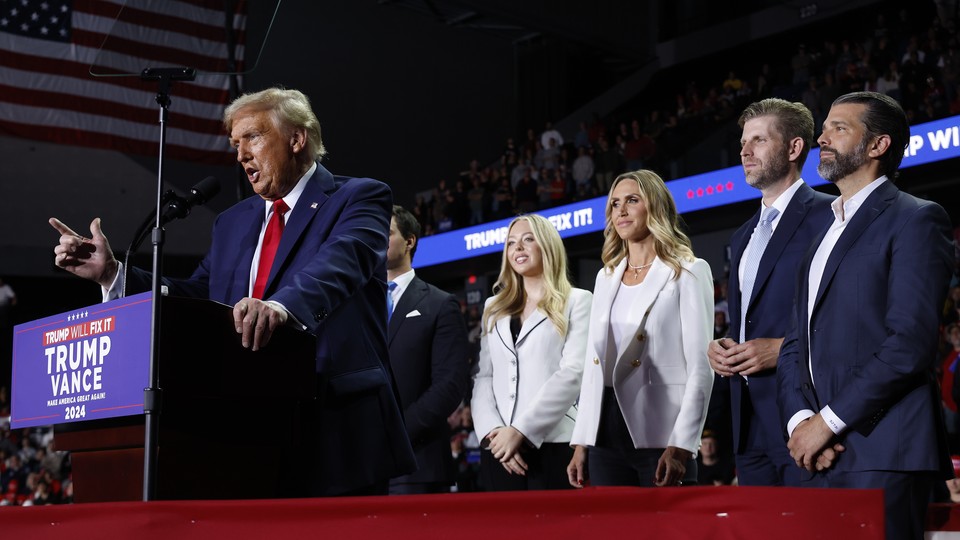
pixel 113 292
pixel 795 420
pixel 833 421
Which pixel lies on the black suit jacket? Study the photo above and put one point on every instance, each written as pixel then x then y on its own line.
pixel 429 359
pixel 768 314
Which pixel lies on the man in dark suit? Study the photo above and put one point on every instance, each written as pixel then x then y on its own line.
pixel 776 139
pixel 429 359
pixel 308 250
pixel 858 393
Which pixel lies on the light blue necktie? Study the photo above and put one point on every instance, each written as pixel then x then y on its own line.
pixel 758 244
pixel 391 285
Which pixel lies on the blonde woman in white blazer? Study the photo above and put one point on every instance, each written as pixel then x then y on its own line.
pixel 531 359
pixel 647 380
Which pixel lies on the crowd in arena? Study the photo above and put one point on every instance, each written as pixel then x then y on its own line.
pixel 915 62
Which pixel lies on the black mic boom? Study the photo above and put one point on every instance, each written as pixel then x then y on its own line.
pixel 199 194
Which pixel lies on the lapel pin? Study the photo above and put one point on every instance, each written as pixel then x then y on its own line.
pixel 313 205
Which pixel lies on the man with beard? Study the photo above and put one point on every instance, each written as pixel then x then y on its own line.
pixel 858 391
pixel 765 254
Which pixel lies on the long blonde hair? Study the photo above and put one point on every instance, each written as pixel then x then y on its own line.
pixel 670 243
pixel 509 295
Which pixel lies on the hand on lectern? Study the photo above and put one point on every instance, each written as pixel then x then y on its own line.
pixel 255 320
pixel 89 258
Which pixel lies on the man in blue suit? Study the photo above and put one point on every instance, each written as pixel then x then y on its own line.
pixel 858 392
pixel 429 360
pixel 308 250
pixel 777 136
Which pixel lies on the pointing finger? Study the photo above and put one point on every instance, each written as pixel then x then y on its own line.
pixel 60 227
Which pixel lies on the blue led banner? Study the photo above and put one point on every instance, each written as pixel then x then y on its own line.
pixel 929 142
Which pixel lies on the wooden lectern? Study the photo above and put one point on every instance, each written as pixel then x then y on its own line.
pixel 234 424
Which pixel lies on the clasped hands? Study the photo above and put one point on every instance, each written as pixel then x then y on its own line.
pixel 92 259
pixel 810 445
pixel 504 443
pixel 728 358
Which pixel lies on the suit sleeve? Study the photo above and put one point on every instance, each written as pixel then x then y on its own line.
pixel 347 260
pixel 483 404
pixel 921 258
pixel 789 377
pixel 559 392
pixel 449 363
pixel 696 328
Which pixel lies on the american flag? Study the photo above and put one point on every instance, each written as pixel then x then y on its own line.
pixel 49 48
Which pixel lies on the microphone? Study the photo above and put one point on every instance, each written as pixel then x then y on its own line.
pixel 177 208
pixel 199 194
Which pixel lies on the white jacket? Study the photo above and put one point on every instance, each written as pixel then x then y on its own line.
pixel 532 386
pixel 662 379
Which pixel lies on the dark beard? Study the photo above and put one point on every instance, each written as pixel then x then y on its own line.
pixel 773 171
pixel 843 165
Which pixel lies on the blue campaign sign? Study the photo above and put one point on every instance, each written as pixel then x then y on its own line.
pixel 929 142
pixel 85 364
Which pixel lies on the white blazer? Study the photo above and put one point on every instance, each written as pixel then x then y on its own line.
pixel 662 379
pixel 532 385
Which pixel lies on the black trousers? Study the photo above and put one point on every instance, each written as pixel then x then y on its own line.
pixel 547 469
pixel 614 461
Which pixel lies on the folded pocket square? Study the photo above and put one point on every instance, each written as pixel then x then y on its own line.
pixel 414 313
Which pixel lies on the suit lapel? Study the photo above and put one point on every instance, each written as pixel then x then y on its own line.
pixel 502 329
pixel 411 297
pixel 254 215
pixel 308 205
pixel 873 206
pixel 789 223
pixel 533 321
pixel 738 245
pixel 603 296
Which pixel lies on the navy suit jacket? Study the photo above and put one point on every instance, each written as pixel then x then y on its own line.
pixel 429 358
pixel 873 335
pixel 330 273
pixel 768 314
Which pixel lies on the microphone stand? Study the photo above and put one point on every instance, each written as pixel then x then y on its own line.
pixel 152 393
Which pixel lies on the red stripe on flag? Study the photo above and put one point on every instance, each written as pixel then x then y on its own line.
pixel 167 56
pixel 87 105
pixel 79 137
pixel 160 21
pixel 80 71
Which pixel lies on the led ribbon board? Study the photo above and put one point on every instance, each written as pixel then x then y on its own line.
pixel 929 142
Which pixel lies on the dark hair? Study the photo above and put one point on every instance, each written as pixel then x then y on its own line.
pixel 883 116
pixel 792 120
pixel 408 226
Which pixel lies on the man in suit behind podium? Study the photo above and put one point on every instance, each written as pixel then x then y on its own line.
pixel 309 250
pixel 858 393
pixel 427 338
pixel 777 136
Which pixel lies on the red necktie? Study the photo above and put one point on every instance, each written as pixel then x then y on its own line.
pixel 268 250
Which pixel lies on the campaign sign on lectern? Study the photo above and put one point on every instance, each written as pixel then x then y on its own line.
pixel 86 364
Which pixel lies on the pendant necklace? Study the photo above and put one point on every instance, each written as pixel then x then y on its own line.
pixel 637 269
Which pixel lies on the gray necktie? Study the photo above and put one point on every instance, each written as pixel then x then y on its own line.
pixel 758 244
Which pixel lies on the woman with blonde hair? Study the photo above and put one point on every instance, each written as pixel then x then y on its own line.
pixel 647 380
pixel 531 359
